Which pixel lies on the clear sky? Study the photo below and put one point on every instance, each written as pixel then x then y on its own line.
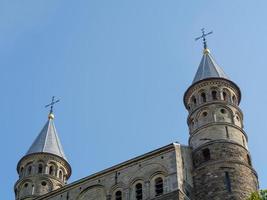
pixel 120 68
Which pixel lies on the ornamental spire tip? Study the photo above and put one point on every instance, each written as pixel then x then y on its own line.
pixel 51 105
pixel 203 37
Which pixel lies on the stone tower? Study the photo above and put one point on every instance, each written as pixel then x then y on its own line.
pixel 44 168
pixel 222 162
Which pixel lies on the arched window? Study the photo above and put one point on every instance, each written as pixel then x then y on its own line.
pixel 29 170
pixel 206 154
pixel 194 100
pixel 40 168
pixel 118 195
pixel 138 191
pixel 60 174
pixel 158 186
pixel 214 95
pixel 51 170
pixel 21 171
pixel 224 96
pixel 203 97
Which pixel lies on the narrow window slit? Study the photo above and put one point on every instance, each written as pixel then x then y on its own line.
pixel 206 154
pixel 227 132
pixel 228 182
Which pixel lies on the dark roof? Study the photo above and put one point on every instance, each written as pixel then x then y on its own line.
pixel 47 141
pixel 208 68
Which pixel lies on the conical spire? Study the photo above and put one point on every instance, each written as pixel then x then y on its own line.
pixel 208 68
pixel 48 141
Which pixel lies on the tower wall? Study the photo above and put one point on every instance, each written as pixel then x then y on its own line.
pixel 222 163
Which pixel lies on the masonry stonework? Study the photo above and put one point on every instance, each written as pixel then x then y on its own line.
pixel 222 166
pixel 165 163
pixel 216 165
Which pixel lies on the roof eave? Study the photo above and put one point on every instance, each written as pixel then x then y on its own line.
pixel 212 78
pixel 46 153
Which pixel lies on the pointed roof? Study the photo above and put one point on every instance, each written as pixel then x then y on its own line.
pixel 208 68
pixel 48 141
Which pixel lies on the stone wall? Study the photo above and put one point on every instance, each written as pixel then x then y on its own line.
pixel 227 174
pixel 221 160
pixel 168 163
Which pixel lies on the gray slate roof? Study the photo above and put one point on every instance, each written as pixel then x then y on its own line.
pixel 208 68
pixel 47 141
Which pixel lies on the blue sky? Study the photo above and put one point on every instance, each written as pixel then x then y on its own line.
pixel 121 68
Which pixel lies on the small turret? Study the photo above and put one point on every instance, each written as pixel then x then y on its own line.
pixel 44 168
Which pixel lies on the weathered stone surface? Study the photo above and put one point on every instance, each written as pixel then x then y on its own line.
pixel 172 163
pixel 210 181
pixel 221 161
pixel 39 174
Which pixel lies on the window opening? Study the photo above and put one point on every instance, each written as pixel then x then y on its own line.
pixel 206 154
pixel 203 96
pixel 249 160
pixel 60 174
pixel 29 170
pixel 224 96
pixel 44 183
pixel 118 195
pixel 214 95
pixel 205 114
pixel 40 168
pixel 139 191
pixel 21 170
pixel 51 170
pixel 228 182
pixel 194 100
pixel 227 132
pixel 159 186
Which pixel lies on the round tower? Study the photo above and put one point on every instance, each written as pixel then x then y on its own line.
pixel 221 159
pixel 44 168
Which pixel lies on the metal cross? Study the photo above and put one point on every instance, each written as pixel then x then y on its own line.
pixel 203 36
pixel 53 102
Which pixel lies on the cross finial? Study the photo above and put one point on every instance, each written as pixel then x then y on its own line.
pixel 203 36
pixel 53 102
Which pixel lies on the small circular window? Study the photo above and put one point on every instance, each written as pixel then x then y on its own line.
pixel 223 111
pixel 26 185
pixel 44 183
pixel 205 114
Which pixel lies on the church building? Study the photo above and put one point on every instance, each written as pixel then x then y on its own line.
pixel 215 165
